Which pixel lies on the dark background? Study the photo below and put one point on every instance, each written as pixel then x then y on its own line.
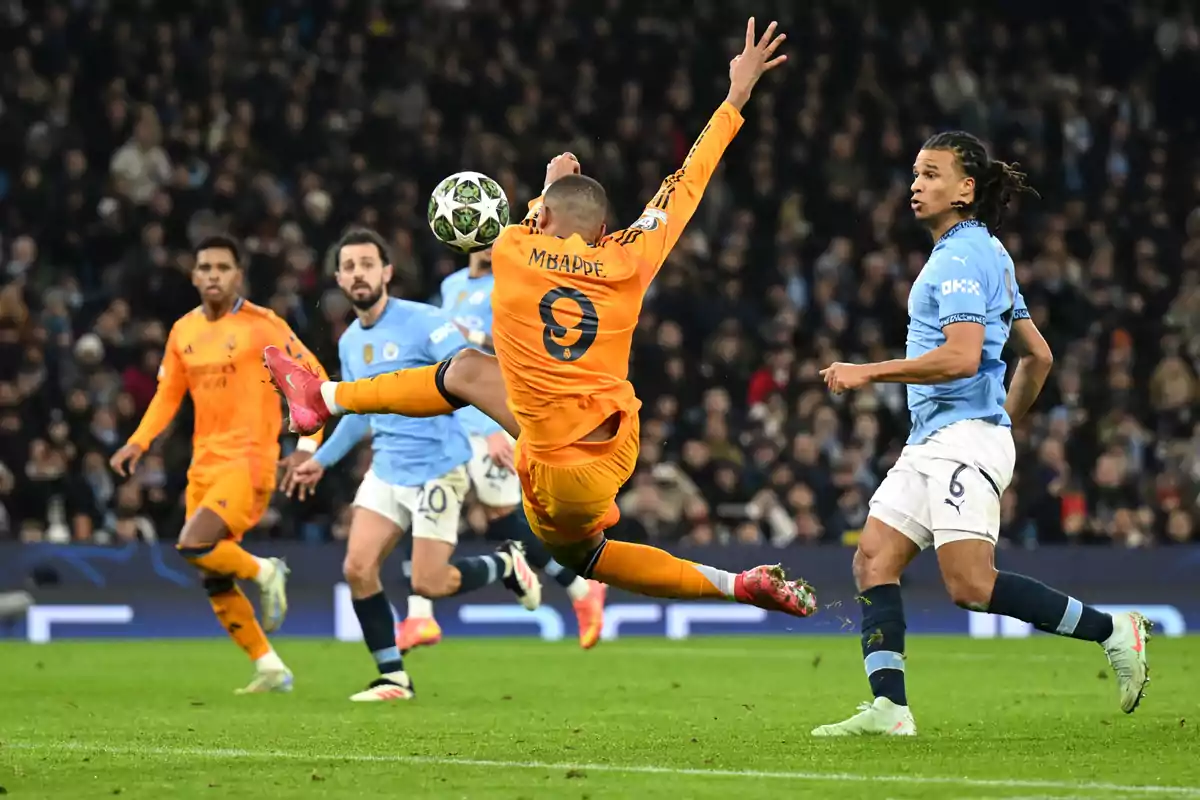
pixel 128 130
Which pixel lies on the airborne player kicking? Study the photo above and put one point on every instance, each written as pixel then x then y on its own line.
pixel 566 302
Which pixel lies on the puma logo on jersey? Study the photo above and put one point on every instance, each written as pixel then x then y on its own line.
pixel 961 259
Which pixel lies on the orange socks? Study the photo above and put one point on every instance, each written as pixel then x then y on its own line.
pixel 237 618
pixel 225 558
pixel 657 573
pixel 409 392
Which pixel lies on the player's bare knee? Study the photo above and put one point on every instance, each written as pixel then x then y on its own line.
pixel 203 530
pixel 968 572
pixel 362 574
pixel 881 556
pixel 970 590
pixel 466 368
pixel 579 557
pixel 434 583
pixel 969 584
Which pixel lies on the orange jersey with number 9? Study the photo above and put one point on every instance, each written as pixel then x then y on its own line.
pixel 564 311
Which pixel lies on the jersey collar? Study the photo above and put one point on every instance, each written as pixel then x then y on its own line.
pixel 961 226
pixel 386 308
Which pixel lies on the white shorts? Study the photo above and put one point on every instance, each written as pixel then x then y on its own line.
pixel 948 487
pixel 495 486
pixel 431 511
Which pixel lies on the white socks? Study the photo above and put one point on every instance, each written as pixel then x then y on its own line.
pixel 266 570
pixel 329 395
pixel 270 663
pixel 419 607
pixel 578 589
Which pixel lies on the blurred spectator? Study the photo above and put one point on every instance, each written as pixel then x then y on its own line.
pixel 129 131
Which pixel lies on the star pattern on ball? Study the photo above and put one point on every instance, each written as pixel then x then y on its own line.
pixel 471 225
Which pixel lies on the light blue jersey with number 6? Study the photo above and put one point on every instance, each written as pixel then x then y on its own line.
pixel 968 278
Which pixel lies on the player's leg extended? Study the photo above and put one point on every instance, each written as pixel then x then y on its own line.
pixel 469 378
pixel 210 543
pixel 372 538
pixel 498 491
pixel 569 508
pixel 436 509
pixel 882 555
pixel 970 575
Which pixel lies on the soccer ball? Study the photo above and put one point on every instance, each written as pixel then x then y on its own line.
pixel 467 211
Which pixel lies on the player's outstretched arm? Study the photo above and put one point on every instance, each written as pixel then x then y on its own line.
pixel 1033 368
pixel 656 232
pixel 961 313
pixel 956 358
pixel 172 386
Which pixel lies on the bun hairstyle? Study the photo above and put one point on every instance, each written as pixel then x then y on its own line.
pixel 996 182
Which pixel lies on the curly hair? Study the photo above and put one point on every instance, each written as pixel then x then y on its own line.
pixel 995 181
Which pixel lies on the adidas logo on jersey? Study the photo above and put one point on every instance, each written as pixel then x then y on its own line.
pixel 961 287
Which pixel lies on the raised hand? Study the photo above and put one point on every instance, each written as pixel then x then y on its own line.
pixel 565 164
pixel 756 58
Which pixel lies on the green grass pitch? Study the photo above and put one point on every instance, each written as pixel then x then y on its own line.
pixel 709 718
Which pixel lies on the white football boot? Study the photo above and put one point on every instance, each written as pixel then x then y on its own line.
pixel 270 675
pixel 268 680
pixel 521 580
pixel 272 585
pixel 392 686
pixel 880 718
pixel 1126 651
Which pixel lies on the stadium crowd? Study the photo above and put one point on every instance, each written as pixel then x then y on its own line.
pixel 127 135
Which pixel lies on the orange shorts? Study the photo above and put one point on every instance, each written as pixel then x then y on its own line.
pixel 568 504
pixel 233 497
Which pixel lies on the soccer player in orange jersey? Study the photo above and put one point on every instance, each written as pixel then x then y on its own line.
pixel 215 353
pixel 565 305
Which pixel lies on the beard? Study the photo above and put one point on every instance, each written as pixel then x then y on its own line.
pixel 365 302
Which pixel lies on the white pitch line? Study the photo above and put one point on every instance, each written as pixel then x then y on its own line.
pixel 805 650
pixel 832 777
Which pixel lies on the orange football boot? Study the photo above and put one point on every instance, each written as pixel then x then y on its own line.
pixel 590 612
pixel 418 632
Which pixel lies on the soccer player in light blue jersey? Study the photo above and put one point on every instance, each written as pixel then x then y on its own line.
pixel 466 296
pixel 945 488
pixel 418 478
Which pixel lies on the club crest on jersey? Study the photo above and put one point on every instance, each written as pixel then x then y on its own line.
pixel 458 301
pixel 650 220
pixel 368 353
pixel 961 286
pixel 231 343
pixel 391 351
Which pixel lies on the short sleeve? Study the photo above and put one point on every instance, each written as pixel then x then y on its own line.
pixel 1020 309
pixel 960 290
